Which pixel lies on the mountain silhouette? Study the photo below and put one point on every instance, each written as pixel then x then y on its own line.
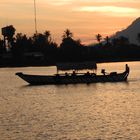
pixel 131 32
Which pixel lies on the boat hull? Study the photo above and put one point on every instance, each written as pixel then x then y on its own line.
pixel 72 79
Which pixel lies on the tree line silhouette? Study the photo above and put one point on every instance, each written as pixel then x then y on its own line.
pixel 40 49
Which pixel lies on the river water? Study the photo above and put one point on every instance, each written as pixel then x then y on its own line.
pixel 99 111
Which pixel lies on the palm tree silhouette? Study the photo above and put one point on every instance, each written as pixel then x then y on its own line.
pixel 67 34
pixel 107 39
pixel 47 35
pixel 99 37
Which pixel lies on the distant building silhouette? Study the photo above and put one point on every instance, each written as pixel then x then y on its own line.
pixel 8 33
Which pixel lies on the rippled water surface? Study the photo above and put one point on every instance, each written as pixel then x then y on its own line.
pixel 99 111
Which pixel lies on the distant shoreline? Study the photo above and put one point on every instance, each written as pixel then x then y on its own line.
pixel 49 65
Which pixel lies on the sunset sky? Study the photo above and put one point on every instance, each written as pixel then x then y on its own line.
pixel 85 18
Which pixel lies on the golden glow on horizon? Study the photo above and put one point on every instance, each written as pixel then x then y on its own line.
pixel 85 18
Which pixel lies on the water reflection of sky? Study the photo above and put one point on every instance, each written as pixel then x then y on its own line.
pixel 94 111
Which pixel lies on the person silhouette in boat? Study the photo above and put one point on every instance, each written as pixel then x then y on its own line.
pixel 73 73
pixel 66 74
pixel 87 74
pixel 103 71
pixel 127 68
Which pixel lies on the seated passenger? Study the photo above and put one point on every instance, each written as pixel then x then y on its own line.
pixel 73 73
pixel 103 71
pixel 66 74
pixel 87 73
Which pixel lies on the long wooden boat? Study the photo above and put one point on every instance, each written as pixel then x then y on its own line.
pixel 73 78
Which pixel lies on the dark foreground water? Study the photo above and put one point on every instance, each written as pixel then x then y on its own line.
pixel 102 111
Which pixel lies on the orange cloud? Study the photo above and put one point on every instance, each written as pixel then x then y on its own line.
pixel 110 10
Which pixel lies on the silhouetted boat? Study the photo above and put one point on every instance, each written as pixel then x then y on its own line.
pixel 73 78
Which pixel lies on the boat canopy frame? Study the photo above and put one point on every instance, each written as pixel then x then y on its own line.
pixel 76 66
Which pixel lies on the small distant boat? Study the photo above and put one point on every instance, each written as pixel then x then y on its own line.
pixel 74 78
